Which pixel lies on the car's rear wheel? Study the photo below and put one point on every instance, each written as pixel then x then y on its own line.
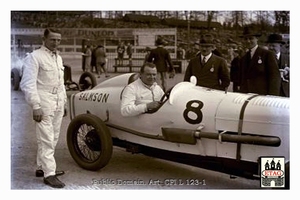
pixel 89 142
pixel 15 79
pixel 87 81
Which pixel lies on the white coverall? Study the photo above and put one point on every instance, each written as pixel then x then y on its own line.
pixel 136 95
pixel 43 85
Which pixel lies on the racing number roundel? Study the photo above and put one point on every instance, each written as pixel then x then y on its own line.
pixel 193 106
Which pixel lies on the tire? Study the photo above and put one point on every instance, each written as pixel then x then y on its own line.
pixel 89 142
pixel 87 81
pixel 15 79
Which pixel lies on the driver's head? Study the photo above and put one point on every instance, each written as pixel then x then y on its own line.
pixel 148 73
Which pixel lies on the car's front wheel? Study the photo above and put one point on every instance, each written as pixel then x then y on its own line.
pixel 89 142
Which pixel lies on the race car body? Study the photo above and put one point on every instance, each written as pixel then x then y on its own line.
pixel 195 121
pixel 16 71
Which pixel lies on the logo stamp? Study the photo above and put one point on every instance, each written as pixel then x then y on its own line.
pixel 272 172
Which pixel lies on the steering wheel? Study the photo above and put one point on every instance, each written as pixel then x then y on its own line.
pixel 163 99
pixel 166 96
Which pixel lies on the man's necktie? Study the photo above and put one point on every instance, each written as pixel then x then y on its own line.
pixel 203 60
pixel 251 53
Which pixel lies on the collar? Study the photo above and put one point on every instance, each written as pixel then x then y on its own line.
pixel 278 55
pixel 253 49
pixel 56 52
pixel 207 57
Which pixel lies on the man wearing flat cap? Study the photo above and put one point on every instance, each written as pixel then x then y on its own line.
pixel 210 70
pixel 258 70
pixel 275 43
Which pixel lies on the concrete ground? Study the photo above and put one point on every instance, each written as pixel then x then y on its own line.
pixel 123 169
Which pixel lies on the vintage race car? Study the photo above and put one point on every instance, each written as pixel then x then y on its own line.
pixel 221 131
pixel 16 71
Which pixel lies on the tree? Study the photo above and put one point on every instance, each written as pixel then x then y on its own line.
pixel 210 16
pixel 282 21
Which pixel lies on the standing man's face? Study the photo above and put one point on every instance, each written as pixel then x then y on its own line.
pixel 149 75
pixel 250 41
pixel 274 47
pixel 206 49
pixel 52 41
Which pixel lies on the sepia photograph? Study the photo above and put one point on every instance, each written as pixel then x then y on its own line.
pixel 150 99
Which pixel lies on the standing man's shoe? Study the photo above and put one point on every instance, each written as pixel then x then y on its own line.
pixel 40 173
pixel 54 182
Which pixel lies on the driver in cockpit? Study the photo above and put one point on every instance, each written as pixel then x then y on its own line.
pixel 144 94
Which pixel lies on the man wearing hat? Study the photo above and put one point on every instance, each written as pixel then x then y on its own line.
pixel 234 69
pixel 258 70
pixel 161 58
pixel 275 43
pixel 210 70
pixel 215 50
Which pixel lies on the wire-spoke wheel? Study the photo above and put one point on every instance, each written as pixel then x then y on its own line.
pixel 89 142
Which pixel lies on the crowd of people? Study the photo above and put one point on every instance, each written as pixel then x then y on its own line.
pixel 253 68
pixel 260 73
pixel 95 60
pixel 257 70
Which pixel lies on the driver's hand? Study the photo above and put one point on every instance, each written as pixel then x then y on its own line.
pixel 153 105
pixel 38 115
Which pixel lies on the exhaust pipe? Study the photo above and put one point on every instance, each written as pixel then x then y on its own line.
pixel 186 136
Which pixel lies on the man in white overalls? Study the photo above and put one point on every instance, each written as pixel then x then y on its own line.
pixel 43 85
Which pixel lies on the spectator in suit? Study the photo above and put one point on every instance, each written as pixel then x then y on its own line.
pixel 87 58
pixel 259 71
pixel 275 44
pixel 120 51
pixel 100 57
pixel 148 50
pixel 216 43
pixel 210 70
pixel 93 59
pixel 129 51
pixel 234 69
pixel 161 58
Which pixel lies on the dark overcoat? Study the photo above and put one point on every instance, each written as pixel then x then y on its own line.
pixel 213 74
pixel 260 74
pixel 161 58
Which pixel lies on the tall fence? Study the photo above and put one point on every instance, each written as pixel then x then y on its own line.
pixel 25 40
